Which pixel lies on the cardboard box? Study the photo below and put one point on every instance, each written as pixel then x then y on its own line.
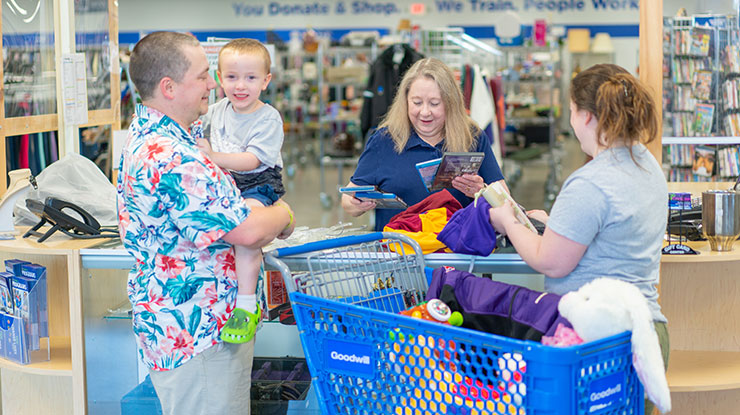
pixel 276 294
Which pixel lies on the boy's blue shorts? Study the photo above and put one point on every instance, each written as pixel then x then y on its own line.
pixel 265 194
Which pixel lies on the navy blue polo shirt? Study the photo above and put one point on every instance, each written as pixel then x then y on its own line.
pixel 380 165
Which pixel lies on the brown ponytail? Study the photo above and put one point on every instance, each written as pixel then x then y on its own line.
pixel 622 105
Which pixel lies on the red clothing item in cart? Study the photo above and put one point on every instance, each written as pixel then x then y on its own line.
pixel 424 220
pixel 408 220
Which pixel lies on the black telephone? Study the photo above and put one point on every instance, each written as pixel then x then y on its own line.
pixel 686 224
pixel 52 211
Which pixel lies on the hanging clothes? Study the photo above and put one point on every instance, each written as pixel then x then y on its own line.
pixel 467 87
pixel 497 91
pixel 53 145
pixel 385 75
pixel 23 152
pixel 482 111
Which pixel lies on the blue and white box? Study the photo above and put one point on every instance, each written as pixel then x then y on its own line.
pixel 25 308
pixel 39 303
pixel 14 339
pixel 14 265
pixel 6 293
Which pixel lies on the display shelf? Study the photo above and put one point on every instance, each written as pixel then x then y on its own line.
pixel 340 100
pixel 60 363
pixel 701 140
pixel 62 378
pixel 532 77
pixel 700 96
pixel 702 371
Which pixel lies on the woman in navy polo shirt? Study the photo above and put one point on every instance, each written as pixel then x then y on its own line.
pixel 427 118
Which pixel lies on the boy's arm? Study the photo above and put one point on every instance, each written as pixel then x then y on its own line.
pixel 244 161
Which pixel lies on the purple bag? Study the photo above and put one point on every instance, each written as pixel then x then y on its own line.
pixel 496 307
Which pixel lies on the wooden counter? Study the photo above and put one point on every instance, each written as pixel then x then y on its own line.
pixel 700 296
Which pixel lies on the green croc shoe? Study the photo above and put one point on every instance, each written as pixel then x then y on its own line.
pixel 241 326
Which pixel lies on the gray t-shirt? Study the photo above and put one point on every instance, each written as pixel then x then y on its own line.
pixel 618 209
pixel 260 133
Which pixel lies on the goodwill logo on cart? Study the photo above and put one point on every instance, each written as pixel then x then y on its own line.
pixel 606 392
pixel 350 358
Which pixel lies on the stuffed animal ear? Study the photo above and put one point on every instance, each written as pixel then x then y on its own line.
pixel 646 355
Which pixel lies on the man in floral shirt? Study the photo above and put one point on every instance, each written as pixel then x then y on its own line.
pixel 179 216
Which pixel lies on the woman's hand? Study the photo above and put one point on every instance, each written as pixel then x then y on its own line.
pixel 357 205
pixel 469 184
pixel 354 206
pixel 501 216
pixel 204 146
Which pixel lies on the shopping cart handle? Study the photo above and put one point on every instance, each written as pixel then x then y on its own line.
pixel 327 244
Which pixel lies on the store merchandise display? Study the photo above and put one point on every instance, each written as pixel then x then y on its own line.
pixel 701 73
pixel 24 321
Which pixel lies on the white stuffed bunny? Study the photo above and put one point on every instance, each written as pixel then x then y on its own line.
pixel 605 307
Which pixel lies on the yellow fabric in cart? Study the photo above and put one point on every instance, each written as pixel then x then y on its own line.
pixel 432 223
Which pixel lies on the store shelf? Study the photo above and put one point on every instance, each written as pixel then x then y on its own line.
pixel 702 371
pixel 701 140
pixel 60 363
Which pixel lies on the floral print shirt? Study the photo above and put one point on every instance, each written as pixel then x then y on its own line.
pixel 174 205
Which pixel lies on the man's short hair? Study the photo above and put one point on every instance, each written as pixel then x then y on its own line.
pixel 244 46
pixel 159 55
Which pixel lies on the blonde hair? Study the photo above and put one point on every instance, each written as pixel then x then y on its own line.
pixel 244 46
pixel 623 106
pixel 459 131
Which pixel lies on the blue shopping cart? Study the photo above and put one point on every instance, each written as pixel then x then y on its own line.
pixel 365 358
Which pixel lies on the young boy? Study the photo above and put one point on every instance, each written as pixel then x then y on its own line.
pixel 245 138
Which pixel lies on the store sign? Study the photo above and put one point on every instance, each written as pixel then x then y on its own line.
pixel 281 9
pixel 354 359
pixel 386 8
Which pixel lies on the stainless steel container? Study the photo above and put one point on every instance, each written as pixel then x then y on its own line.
pixel 721 218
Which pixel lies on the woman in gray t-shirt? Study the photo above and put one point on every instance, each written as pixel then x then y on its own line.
pixel 610 215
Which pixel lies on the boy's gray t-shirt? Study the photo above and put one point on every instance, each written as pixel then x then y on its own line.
pixel 260 133
pixel 618 209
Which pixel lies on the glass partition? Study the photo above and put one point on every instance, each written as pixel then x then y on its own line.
pixel 93 39
pixel 29 75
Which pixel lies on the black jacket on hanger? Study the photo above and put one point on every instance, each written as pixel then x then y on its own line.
pixel 385 75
